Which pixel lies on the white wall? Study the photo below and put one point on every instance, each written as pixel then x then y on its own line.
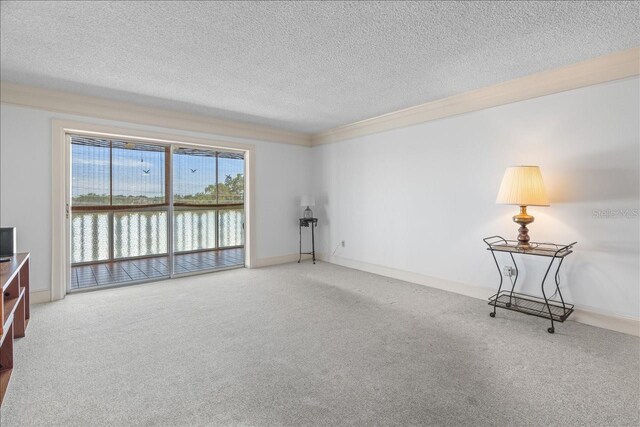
pixel 420 199
pixel 282 175
pixel 417 199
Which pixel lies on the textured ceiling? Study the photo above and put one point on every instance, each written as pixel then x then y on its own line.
pixel 305 66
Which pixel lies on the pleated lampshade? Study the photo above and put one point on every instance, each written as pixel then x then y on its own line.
pixel 522 186
pixel 307 200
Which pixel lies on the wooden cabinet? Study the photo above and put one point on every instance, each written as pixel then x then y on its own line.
pixel 14 312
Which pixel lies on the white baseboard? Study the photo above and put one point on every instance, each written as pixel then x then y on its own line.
pixel 589 316
pixel 281 259
pixel 38 297
pixel 407 276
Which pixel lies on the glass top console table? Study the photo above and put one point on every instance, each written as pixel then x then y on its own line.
pixel 544 307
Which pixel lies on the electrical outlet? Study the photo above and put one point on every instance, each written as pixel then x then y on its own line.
pixel 508 271
pixel 342 243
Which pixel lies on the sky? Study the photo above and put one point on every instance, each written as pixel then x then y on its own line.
pixel 142 172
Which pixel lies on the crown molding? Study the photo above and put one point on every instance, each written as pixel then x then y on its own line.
pixel 82 105
pixel 602 69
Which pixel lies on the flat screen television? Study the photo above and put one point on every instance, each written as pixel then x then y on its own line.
pixel 7 241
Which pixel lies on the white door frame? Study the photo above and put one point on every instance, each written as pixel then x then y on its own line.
pixel 61 193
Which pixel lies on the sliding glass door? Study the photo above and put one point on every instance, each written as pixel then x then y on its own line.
pixel 208 214
pixel 123 194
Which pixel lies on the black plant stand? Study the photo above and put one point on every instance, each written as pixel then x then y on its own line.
pixel 557 311
pixel 306 222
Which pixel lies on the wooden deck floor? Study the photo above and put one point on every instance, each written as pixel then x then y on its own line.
pixel 121 272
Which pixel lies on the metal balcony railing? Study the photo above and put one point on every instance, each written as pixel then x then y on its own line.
pixel 104 235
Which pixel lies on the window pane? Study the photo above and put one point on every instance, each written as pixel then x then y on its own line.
pixel 230 178
pixel 89 171
pixel 138 174
pixel 194 176
pixel 89 237
pixel 194 229
pixel 139 233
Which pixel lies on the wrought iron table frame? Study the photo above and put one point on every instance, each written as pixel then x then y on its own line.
pixel 532 305
pixel 305 222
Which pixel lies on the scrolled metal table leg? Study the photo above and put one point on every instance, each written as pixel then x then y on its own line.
pixel 493 313
pixel 546 301
pixel 564 308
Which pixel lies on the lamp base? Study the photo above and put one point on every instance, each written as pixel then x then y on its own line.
pixel 308 214
pixel 524 219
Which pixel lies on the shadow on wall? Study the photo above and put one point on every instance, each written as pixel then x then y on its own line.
pixel 321 212
pixel 610 181
pixel 615 247
pixel 322 202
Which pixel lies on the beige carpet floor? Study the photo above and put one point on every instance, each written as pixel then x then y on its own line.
pixel 311 345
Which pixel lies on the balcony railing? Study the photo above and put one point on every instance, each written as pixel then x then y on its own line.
pixel 103 235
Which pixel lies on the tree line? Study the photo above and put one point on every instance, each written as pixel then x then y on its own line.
pixel 229 191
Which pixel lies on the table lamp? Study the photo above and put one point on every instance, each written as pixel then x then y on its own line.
pixel 307 201
pixel 522 186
